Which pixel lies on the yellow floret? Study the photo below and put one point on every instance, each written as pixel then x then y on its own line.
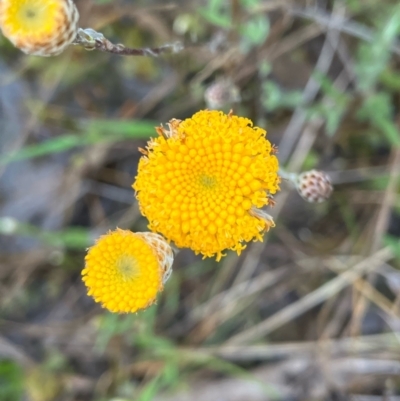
pixel 201 181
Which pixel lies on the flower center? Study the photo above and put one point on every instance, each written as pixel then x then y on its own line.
pixel 33 15
pixel 207 181
pixel 30 13
pixel 127 267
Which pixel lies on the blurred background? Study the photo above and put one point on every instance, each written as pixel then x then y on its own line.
pixel 313 312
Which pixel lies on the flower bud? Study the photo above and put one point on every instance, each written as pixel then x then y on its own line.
pixel 221 93
pixel 314 186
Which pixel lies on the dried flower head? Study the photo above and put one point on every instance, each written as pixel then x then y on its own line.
pixel 221 93
pixel 39 27
pixel 201 182
pixel 314 186
pixel 124 271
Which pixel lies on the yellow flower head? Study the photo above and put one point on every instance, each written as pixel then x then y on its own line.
pixel 124 271
pixel 201 182
pixel 39 27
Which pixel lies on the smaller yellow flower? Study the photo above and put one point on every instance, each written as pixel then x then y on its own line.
pixel 124 271
pixel 39 27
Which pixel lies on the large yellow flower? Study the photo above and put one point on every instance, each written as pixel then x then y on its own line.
pixel 39 27
pixel 202 181
pixel 124 271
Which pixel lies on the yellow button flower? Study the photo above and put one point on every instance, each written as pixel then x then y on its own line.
pixel 124 271
pixel 202 181
pixel 39 27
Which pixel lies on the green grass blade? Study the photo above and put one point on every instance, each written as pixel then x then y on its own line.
pixel 90 132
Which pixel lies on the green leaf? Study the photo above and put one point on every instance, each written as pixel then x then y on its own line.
pixel 216 14
pixel 56 145
pixel 391 79
pixel 255 31
pixel 377 109
pixel 11 381
pixel 273 97
pixel 393 243
pixel 90 132
pixel 72 237
pixel 373 57
pixel 151 389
